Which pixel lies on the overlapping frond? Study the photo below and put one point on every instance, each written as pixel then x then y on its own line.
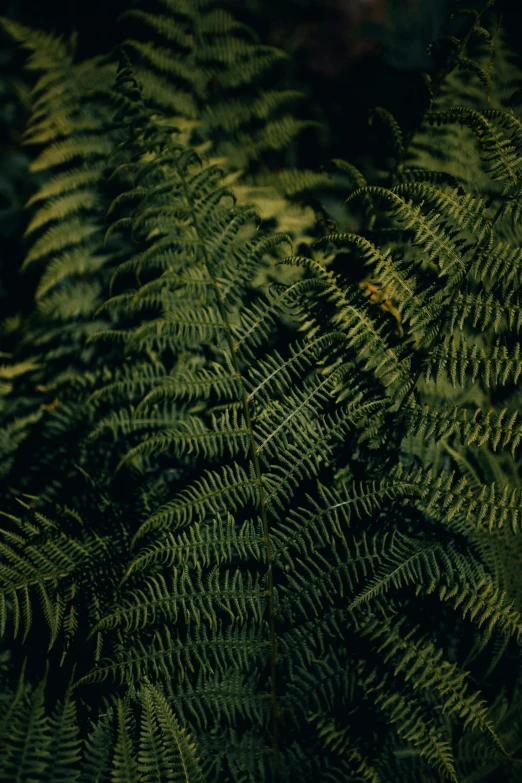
pixel 297 555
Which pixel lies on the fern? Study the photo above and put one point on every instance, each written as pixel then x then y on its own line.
pixel 276 536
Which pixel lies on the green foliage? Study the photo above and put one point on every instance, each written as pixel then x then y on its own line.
pixel 36 746
pixel 269 529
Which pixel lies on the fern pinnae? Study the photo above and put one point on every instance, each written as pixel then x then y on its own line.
pixel 202 544
pixel 181 756
pixel 362 334
pixel 124 765
pixel 215 492
pixel 431 668
pixel 262 501
pixel 199 384
pixel 506 168
pixel 407 571
pixel 412 726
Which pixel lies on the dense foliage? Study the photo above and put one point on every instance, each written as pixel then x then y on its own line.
pixel 261 479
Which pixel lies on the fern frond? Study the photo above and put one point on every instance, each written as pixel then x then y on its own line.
pixel 124 764
pixel 178 756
